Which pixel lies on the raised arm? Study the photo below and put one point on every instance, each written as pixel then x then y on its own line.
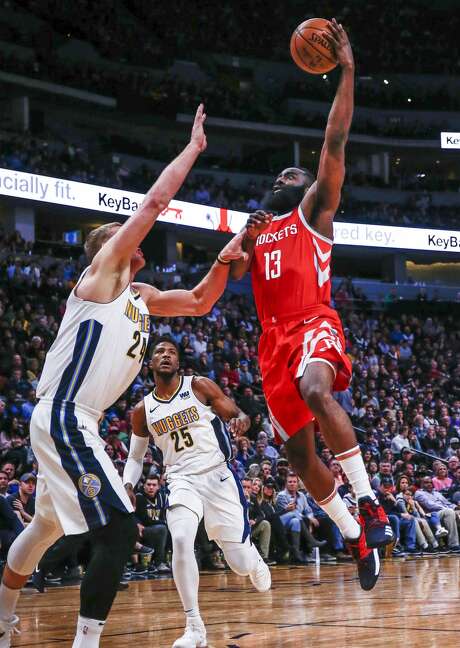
pixel 322 199
pixel 200 299
pixel 137 449
pixel 113 261
pixel 211 394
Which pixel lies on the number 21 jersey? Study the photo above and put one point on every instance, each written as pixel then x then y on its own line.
pixel 98 351
pixel 290 269
pixel 191 437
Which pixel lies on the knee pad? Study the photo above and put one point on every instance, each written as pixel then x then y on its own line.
pixel 242 558
pixel 119 535
pixel 27 550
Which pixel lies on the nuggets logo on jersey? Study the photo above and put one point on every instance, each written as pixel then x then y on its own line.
pixel 191 437
pixel 176 421
pixel 90 485
pixel 134 314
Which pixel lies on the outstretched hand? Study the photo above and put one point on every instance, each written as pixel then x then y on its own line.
pixel 257 223
pixel 198 136
pixel 234 250
pixel 338 38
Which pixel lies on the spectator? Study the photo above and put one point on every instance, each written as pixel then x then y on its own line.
pixel 260 527
pixel 151 508
pixel 442 482
pixel 3 483
pixel 297 516
pixel 23 502
pixel 10 526
pixel 402 523
pixel 433 502
pixel 407 504
pixel 268 505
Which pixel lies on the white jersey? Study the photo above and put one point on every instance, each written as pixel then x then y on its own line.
pixel 191 437
pixel 98 351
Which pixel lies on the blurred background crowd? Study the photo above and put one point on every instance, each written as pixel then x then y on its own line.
pixel 404 401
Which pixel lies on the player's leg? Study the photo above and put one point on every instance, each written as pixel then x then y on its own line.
pixel 319 481
pixel 183 526
pixel 23 556
pixel 226 521
pixel 111 546
pixel 316 389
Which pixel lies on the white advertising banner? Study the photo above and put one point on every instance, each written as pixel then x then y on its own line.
pixel 450 140
pixel 119 202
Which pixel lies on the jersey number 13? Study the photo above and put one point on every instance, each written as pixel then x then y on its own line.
pixel 272 264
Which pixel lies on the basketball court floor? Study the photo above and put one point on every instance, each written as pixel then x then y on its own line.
pixel 416 603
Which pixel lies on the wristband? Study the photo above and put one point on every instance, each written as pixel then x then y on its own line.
pixel 219 260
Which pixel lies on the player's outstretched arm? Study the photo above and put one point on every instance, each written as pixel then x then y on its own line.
pixel 203 296
pixel 211 394
pixel 322 199
pixel 137 449
pixel 117 252
pixel 256 223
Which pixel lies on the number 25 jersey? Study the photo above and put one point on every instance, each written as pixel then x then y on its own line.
pixel 191 437
pixel 290 269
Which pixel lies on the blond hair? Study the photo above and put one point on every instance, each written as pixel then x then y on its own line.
pixel 96 239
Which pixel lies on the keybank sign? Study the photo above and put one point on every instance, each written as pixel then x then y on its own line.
pixel 450 140
pixel 118 203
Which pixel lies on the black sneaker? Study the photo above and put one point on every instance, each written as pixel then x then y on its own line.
pixel 38 580
pixel 367 561
pixel 454 550
pixel 398 553
pixel 375 522
pixel 145 551
pixel 431 551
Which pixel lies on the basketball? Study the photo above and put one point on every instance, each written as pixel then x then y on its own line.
pixel 310 50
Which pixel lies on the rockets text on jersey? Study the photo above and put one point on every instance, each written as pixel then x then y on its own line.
pixel 290 268
pixel 191 437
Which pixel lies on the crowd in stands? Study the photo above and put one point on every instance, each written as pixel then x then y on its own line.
pixel 154 37
pixel 139 32
pixel 84 164
pixel 404 401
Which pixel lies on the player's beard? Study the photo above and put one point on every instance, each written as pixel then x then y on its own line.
pixel 284 200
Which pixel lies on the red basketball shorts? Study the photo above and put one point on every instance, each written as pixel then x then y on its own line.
pixel 285 351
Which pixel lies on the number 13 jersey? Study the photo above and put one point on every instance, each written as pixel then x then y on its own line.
pixel 98 351
pixel 191 437
pixel 290 269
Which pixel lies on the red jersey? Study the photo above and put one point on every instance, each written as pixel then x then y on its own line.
pixel 290 269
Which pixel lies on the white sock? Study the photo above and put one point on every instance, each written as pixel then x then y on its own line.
pixel 88 633
pixel 8 601
pixel 353 466
pixel 337 510
pixel 193 614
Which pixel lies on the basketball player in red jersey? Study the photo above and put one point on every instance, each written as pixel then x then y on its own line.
pixel 302 349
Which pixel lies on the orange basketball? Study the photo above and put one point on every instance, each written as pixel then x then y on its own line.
pixel 310 50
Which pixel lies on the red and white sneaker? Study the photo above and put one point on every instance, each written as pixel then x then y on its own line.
pixel 367 560
pixel 375 523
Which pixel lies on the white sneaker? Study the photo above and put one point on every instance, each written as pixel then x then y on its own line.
pixel 261 577
pixel 193 637
pixel 442 532
pixel 7 628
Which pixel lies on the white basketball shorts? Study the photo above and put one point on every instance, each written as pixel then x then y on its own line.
pixel 77 482
pixel 217 496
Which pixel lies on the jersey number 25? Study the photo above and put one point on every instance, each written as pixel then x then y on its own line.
pixel 185 436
